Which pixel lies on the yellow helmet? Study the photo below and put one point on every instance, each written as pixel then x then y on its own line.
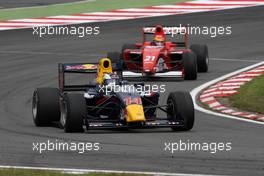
pixel 159 38
pixel 104 67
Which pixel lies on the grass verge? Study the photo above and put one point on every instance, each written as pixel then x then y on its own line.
pixel 28 172
pixel 250 96
pixel 78 7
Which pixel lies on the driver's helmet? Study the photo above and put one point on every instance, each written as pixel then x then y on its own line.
pixel 159 40
pixel 111 79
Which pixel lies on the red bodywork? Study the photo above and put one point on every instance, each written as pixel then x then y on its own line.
pixel 144 56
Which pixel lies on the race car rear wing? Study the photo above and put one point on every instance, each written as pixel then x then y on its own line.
pixel 81 68
pixel 168 30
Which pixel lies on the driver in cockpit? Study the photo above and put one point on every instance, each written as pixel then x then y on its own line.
pixel 158 40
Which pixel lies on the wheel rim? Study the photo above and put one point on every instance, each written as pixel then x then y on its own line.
pixel 63 114
pixel 171 109
pixel 35 106
pixel 207 60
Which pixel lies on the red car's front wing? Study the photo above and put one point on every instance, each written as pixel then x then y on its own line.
pixel 168 74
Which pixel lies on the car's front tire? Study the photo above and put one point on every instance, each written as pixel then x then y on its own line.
pixel 202 55
pixel 180 108
pixel 73 112
pixel 190 66
pixel 45 106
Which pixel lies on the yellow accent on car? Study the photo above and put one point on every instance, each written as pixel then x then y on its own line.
pixel 105 66
pixel 135 113
pixel 90 66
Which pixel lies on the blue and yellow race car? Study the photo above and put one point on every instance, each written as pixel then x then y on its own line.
pixel 108 101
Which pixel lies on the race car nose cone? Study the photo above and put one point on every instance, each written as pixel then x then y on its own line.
pixel 135 113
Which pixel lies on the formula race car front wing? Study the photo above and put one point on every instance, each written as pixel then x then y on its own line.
pixel 139 125
pixel 169 74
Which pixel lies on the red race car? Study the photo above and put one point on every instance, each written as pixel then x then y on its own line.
pixel 157 57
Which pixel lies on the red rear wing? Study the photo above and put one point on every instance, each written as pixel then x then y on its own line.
pixel 166 30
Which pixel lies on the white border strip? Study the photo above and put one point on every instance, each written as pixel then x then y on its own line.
pixel 40 6
pixel 85 171
pixel 197 90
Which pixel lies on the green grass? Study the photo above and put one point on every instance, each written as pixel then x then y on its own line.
pixel 251 96
pixel 79 7
pixel 28 172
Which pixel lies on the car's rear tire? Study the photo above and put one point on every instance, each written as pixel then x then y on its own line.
pixel 180 107
pixel 45 106
pixel 73 112
pixel 190 66
pixel 202 55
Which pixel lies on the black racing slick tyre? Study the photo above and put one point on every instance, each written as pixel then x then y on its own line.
pixel 45 106
pixel 73 112
pixel 190 66
pixel 115 58
pixel 202 55
pixel 128 46
pixel 180 109
pixel 124 47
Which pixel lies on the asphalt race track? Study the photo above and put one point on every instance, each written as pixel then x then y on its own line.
pixel 30 3
pixel 28 62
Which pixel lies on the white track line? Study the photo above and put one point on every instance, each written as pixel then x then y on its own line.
pixel 236 60
pixel 35 21
pixel 40 6
pixel 200 6
pixel 89 17
pixel 83 171
pixel 195 92
pixel 139 14
pixel 166 10
pixel 226 2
